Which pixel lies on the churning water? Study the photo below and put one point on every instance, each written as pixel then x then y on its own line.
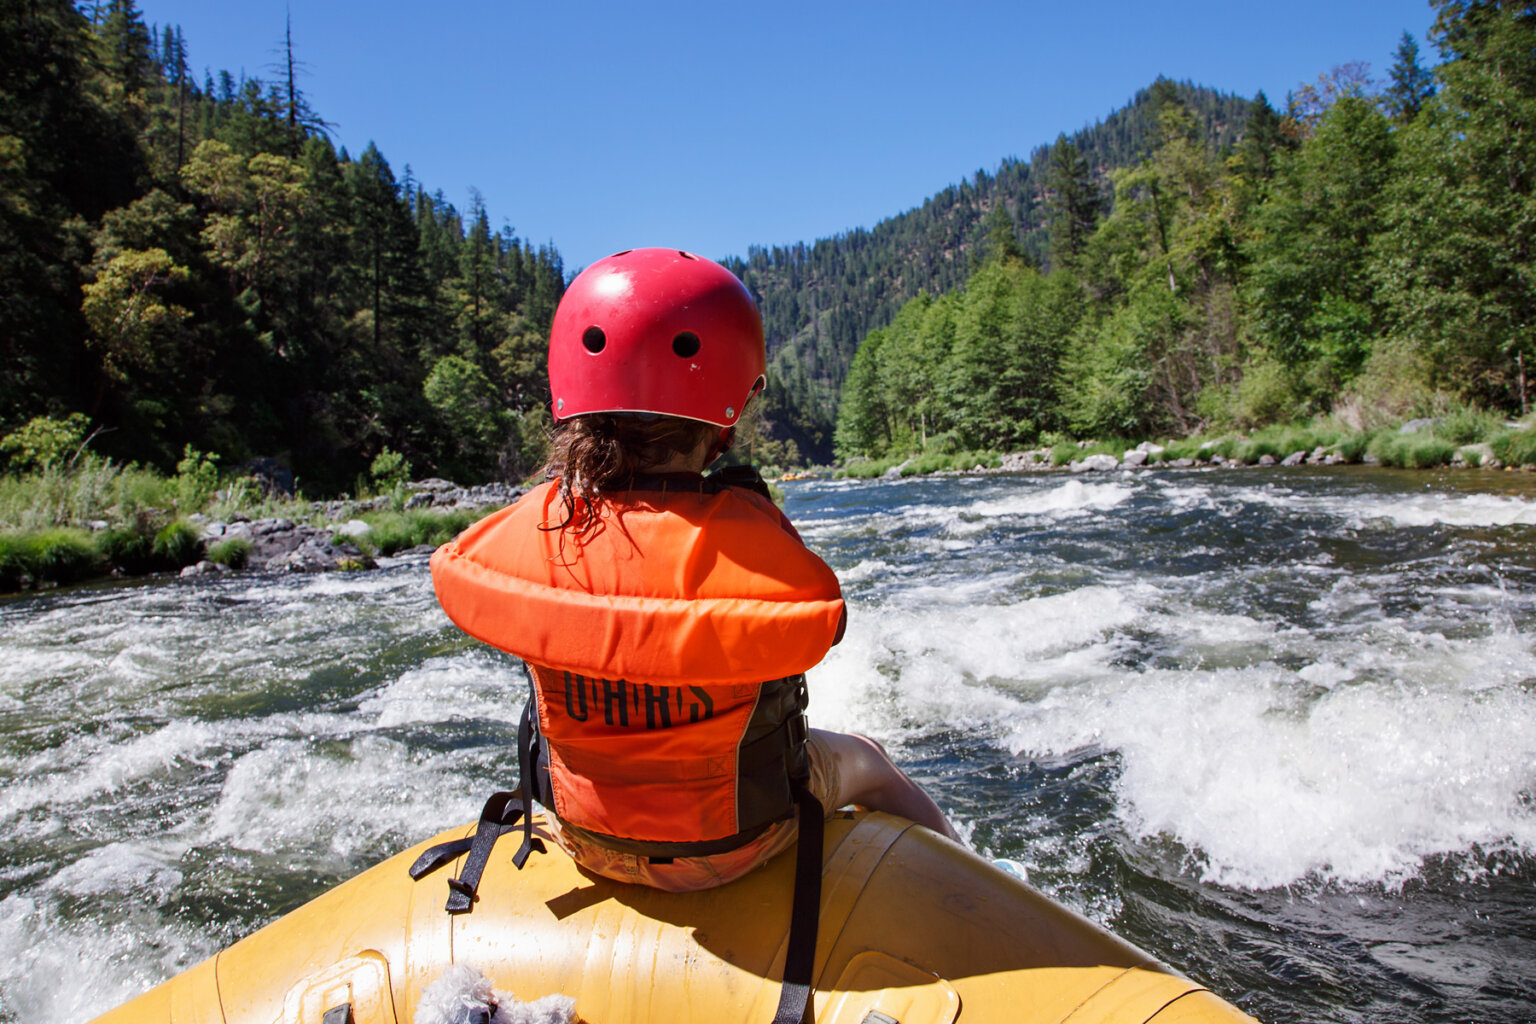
pixel 1276 727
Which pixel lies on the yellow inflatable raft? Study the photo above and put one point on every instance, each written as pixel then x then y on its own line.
pixel 913 929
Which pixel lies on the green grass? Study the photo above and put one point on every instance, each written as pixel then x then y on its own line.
pixel 177 544
pixel 1515 447
pixel 1354 446
pixel 1437 445
pixel 234 552
pixel 57 555
pixel 127 549
pixel 1469 425
pixel 397 531
pixel 95 489
pixel 1423 450
pixel 916 464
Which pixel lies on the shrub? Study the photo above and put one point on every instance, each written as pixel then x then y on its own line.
pixel 177 544
pixel 1353 447
pixel 389 470
pixel 1265 394
pixel 938 462
pixel 197 478
pixel 126 548
pixel 44 441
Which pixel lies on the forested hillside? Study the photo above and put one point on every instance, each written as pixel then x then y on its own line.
pixel 1367 252
pixel 820 300
pixel 189 262
pixel 195 263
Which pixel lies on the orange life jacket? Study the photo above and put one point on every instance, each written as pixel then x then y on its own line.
pixel 649 636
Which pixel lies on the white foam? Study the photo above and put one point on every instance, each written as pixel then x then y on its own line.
pixel 474 685
pixel 869 568
pixel 1271 785
pixel 148 872
pixel 1071 498
pixel 56 967
pixel 89 767
pixel 288 794
pixel 903 664
pixel 1362 509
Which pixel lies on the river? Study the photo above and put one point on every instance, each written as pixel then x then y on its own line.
pixel 1277 727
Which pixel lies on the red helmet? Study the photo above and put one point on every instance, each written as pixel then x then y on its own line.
pixel 656 331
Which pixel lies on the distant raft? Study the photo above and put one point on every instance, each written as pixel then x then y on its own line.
pixel 914 929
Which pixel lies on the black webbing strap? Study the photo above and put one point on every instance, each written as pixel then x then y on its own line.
pixel 500 815
pixel 804 916
pixel 527 766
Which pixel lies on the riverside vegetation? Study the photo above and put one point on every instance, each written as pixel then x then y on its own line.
pixel 71 514
pixel 1360 259
pixel 195 276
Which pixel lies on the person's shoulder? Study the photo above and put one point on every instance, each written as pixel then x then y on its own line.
pixel 746 484
pixel 745 478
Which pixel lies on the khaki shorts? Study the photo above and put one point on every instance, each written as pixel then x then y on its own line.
pixel 690 874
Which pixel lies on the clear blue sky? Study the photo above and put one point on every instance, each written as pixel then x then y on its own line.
pixel 601 126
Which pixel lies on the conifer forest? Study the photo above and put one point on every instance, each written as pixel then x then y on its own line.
pixel 190 262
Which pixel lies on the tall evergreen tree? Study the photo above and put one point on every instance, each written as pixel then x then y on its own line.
pixel 1264 137
pixel 1411 84
pixel 1072 202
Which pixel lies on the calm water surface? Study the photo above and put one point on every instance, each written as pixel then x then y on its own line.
pixel 1276 727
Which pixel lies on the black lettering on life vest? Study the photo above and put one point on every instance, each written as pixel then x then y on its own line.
pixel 613 696
pixel 617 696
pixel 579 712
pixel 657 714
pixel 706 705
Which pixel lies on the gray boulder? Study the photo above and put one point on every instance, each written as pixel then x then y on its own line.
pixel 1096 464
pixel 283 545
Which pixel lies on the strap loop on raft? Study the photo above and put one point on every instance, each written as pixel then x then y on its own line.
pixel 500 815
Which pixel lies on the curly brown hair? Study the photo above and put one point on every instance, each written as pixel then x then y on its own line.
pixel 604 451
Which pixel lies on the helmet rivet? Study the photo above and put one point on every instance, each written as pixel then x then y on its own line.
pixel 730 412
pixel 559 404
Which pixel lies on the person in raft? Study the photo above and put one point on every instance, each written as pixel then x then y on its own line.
pixel 667 618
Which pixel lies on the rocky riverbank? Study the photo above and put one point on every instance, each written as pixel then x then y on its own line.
pixel 266 535
pixel 288 544
pixel 1416 444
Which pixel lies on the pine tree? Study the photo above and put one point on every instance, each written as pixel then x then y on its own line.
pixel 478 284
pixel 1264 137
pixel 1072 202
pixel 1411 83
pixel 125 48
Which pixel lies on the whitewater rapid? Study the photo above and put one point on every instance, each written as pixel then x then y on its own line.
pixel 1242 684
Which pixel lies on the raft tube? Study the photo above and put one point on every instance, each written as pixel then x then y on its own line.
pixel 914 929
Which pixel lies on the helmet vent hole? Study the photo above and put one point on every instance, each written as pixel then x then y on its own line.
pixel 686 255
pixel 594 340
pixel 686 344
